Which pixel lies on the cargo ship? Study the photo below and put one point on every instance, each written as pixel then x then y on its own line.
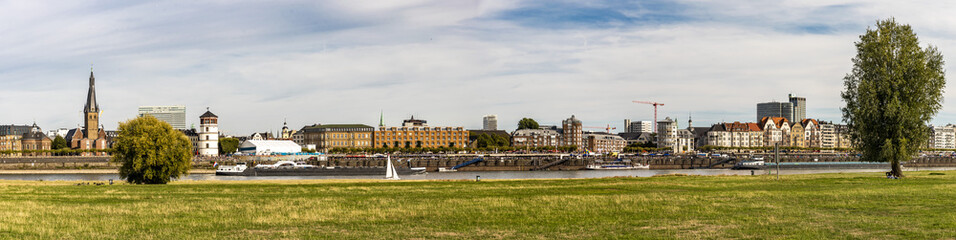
pixel 756 165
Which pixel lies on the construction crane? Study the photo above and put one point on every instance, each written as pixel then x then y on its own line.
pixel 655 110
pixel 608 128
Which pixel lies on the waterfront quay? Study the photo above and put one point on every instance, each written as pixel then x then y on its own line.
pixel 488 162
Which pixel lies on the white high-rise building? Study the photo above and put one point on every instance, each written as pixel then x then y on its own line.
pixel 490 122
pixel 208 134
pixel 174 115
pixel 639 126
pixel 943 137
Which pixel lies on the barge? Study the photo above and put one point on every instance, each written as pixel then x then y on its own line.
pixel 756 165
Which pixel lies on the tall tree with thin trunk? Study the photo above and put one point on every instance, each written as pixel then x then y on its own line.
pixel 893 91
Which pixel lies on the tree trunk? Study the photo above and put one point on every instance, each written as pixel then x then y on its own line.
pixel 896 171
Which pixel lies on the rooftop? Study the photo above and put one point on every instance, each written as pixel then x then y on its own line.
pixel 326 126
pixel 208 114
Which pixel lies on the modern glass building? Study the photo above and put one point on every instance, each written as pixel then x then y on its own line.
pixel 775 109
pixel 174 115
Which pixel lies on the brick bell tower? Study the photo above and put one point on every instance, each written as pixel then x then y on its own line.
pixel 92 113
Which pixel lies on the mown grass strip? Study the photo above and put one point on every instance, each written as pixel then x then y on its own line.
pixel 856 205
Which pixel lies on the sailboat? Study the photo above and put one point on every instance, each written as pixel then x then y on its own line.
pixel 390 172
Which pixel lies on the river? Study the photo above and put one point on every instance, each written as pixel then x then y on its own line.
pixel 485 175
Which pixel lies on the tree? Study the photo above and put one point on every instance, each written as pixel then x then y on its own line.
pixel 228 145
pixel 151 151
pixel 501 141
pixel 484 141
pixel 58 143
pixel 527 123
pixel 893 91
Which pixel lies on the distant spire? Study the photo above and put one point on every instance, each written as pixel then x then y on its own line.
pixel 381 119
pixel 690 122
pixel 91 105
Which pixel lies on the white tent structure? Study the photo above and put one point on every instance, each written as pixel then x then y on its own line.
pixel 266 147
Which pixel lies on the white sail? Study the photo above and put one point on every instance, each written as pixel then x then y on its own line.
pixel 390 172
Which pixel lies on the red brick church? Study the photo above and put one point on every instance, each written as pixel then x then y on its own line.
pixel 92 135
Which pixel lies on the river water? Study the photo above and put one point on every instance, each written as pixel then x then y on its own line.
pixel 485 175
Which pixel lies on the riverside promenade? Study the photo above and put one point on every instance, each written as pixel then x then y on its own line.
pixel 490 162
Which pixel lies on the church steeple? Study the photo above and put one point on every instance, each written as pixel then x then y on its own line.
pixel 91 105
pixel 91 112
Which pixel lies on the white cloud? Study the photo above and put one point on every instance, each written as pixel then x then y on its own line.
pixel 449 62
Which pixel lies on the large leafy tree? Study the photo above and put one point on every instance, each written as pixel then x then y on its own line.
pixel 228 145
pixel 151 151
pixel 894 90
pixel 501 141
pixel 58 143
pixel 527 123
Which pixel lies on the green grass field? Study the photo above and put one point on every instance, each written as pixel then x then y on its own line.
pixel 823 206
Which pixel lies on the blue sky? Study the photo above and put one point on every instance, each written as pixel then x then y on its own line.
pixel 449 62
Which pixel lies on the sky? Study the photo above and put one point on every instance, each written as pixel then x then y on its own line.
pixel 257 64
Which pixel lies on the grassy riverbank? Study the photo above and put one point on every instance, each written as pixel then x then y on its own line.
pixel 858 205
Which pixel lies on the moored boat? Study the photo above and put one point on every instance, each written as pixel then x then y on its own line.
pixel 616 166
pixel 289 168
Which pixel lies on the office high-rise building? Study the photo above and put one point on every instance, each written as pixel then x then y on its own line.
pixel 490 122
pixel 638 127
pixel 775 109
pixel 174 115
pixel 799 108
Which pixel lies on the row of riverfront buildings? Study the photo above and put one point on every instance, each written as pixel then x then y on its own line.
pixel 773 127
pixel 92 136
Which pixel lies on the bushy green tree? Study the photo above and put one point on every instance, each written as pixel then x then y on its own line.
pixel 151 151
pixel 501 141
pixel 893 91
pixel 58 143
pixel 228 145
pixel 483 141
pixel 527 123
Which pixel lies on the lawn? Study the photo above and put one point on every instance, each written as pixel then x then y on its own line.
pixel 820 206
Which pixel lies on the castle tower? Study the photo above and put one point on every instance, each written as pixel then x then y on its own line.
pixel 208 134
pixel 91 112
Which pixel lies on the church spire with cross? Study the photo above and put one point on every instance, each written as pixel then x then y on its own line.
pixel 91 105
pixel 91 111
